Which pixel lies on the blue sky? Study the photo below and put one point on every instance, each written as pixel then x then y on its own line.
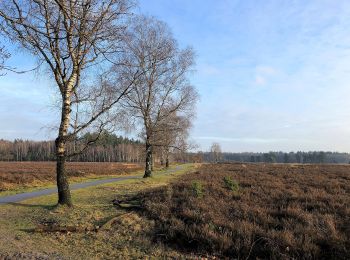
pixel 272 75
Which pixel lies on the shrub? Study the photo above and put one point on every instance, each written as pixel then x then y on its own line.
pixel 283 212
pixel 231 184
pixel 197 189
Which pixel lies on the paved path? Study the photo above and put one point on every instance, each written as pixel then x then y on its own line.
pixel 34 194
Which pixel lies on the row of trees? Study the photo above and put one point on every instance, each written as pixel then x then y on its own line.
pixel 215 155
pixel 113 70
pixel 113 148
pixel 109 148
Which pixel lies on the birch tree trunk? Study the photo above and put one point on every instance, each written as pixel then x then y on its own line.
pixel 152 161
pixel 64 196
pixel 167 160
pixel 148 168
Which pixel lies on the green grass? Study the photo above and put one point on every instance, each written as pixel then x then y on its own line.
pixel 92 207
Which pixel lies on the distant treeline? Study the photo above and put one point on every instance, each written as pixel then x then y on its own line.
pixel 279 157
pixel 114 148
pixel 109 148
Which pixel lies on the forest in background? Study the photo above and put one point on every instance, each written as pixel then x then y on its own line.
pixel 108 148
pixel 114 148
pixel 277 157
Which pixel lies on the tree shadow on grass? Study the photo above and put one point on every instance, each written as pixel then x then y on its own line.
pixel 47 207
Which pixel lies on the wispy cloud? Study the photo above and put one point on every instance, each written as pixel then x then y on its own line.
pixel 208 70
pixel 272 75
pixel 241 140
pixel 260 80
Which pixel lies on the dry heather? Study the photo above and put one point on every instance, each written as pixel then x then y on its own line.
pixel 275 211
pixel 19 174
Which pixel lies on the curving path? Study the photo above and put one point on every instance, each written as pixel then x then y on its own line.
pixel 29 195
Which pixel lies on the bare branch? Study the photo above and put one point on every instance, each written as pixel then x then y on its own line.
pixel 71 37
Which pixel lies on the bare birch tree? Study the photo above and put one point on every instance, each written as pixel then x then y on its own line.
pixel 172 135
pixel 215 151
pixel 70 37
pixel 164 87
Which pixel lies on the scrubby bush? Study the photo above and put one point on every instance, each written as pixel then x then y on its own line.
pixel 231 184
pixel 197 189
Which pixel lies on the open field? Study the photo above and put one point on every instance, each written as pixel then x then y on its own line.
pixel 244 211
pixel 256 210
pixel 18 175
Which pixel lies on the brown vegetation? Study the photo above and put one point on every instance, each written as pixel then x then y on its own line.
pixel 19 174
pixel 275 211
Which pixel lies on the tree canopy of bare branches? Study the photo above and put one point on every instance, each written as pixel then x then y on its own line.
pixel 215 151
pixel 3 57
pixel 73 38
pixel 172 136
pixel 163 92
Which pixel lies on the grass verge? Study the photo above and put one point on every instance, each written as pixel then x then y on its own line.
pixel 121 234
pixel 18 177
pixel 35 186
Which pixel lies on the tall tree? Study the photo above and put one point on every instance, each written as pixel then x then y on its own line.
pixel 71 37
pixel 164 87
pixel 215 151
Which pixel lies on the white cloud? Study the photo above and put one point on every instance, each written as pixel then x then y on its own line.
pixel 263 73
pixel 266 70
pixel 260 80
pixel 208 70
